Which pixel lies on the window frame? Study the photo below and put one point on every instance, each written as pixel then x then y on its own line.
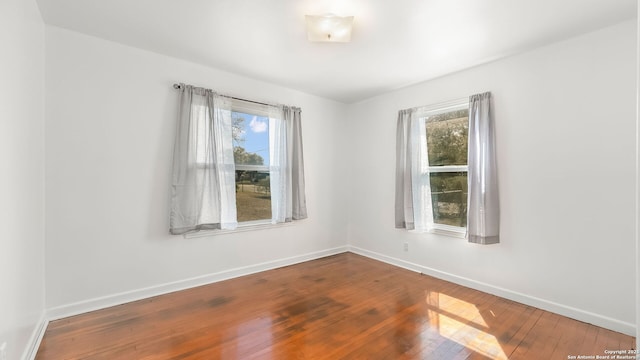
pixel 423 114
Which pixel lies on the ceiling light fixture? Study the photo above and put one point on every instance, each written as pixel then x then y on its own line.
pixel 329 28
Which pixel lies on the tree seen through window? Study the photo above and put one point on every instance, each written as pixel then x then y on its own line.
pixel 447 137
pixel 251 157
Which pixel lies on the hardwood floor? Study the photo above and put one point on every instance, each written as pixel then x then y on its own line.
pixel 340 307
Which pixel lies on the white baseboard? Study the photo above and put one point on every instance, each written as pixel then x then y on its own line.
pixel 564 310
pixel 36 337
pixel 139 294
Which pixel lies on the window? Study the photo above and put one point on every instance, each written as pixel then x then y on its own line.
pixel 446 178
pixel 235 161
pixel 251 156
pixel 447 129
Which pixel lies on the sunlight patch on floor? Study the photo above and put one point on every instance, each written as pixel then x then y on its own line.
pixel 253 335
pixel 461 322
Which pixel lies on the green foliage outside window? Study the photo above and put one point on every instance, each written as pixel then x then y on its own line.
pixel 241 156
pixel 447 137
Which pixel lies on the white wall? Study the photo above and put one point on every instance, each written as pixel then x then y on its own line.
pixel 21 174
pixel 638 181
pixel 565 117
pixel 111 113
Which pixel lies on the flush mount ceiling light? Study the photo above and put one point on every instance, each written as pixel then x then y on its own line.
pixel 329 28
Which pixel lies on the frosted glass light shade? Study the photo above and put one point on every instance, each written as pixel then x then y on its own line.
pixel 329 28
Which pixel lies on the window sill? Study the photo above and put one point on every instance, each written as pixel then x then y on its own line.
pixel 447 230
pixel 242 227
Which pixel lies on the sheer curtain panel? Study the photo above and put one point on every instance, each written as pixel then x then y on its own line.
pixel 203 181
pixel 288 200
pixel 414 209
pixel 483 214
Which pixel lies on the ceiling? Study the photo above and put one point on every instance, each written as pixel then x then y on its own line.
pixel 394 43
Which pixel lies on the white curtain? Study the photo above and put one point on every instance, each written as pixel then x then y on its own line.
pixel 414 209
pixel 203 182
pixel 483 214
pixel 286 173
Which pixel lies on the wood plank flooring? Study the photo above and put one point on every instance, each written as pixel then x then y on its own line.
pixel 340 307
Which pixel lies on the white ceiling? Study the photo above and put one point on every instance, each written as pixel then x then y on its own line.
pixel 394 43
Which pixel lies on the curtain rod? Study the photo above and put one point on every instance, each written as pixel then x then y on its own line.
pixel 178 86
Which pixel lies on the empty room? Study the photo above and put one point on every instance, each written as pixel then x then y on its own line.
pixel 319 179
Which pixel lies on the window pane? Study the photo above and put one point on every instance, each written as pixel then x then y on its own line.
pixel 250 139
pixel 253 195
pixel 447 136
pixel 449 197
pixel 251 147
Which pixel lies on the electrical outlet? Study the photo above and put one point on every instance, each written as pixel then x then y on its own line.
pixel 406 246
pixel 3 351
